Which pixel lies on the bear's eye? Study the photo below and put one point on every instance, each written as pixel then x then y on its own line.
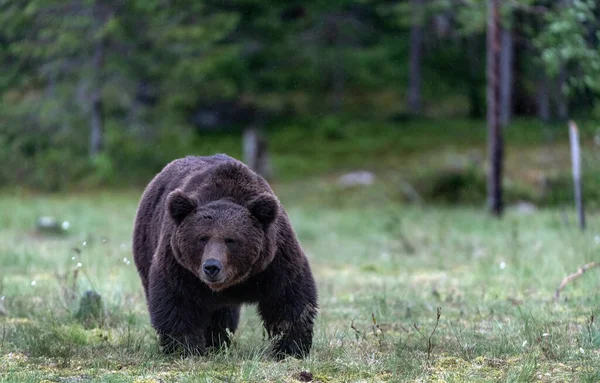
pixel 229 241
pixel 204 239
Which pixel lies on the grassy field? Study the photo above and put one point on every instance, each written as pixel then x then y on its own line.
pixel 383 270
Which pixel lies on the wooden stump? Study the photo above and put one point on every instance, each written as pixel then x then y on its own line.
pixel 256 154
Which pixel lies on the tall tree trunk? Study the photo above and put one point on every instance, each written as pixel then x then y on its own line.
pixel 506 76
pixel 337 76
pixel 416 51
pixel 96 121
pixel 476 101
pixel 562 106
pixel 495 139
pixel 96 108
pixel 338 79
pixel 524 101
pixel 543 98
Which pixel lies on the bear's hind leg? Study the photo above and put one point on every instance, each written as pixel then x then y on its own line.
pixel 223 322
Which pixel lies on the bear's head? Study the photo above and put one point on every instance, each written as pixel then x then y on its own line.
pixel 222 242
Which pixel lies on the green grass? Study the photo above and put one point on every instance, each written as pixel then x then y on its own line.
pixel 375 263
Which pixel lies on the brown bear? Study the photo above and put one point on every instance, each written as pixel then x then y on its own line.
pixel 211 235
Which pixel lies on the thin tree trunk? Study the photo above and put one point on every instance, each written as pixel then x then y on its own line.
pixel 543 98
pixel 524 101
pixel 476 102
pixel 576 164
pixel 506 74
pixel 562 106
pixel 96 121
pixel 495 139
pixel 416 51
pixel 339 82
pixel 336 69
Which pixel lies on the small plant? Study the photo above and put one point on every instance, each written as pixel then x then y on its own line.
pixel 91 310
pixel 68 286
pixel 524 373
pixel 377 331
pixel 357 333
pixel 429 339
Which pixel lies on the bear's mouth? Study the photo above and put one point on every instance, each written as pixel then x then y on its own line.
pixel 214 284
pixel 222 282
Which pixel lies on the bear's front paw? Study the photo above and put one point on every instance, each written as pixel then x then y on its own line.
pixel 285 347
pixel 185 345
pixel 217 341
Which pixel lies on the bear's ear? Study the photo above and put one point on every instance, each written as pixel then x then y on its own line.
pixel 265 208
pixel 180 205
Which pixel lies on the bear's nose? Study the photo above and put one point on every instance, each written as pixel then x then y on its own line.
pixel 212 267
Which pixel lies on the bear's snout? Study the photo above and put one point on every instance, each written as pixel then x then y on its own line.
pixel 212 268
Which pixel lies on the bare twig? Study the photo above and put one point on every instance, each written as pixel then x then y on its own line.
pixel 429 340
pixel 357 332
pixel 574 276
pixel 416 327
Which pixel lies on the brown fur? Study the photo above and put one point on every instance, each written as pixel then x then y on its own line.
pixel 216 208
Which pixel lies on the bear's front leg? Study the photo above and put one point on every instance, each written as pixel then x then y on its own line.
pixel 223 322
pixel 178 319
pixel 289 313
pixel 191 344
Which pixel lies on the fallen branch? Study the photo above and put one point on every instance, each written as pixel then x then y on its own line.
pixel 574 276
